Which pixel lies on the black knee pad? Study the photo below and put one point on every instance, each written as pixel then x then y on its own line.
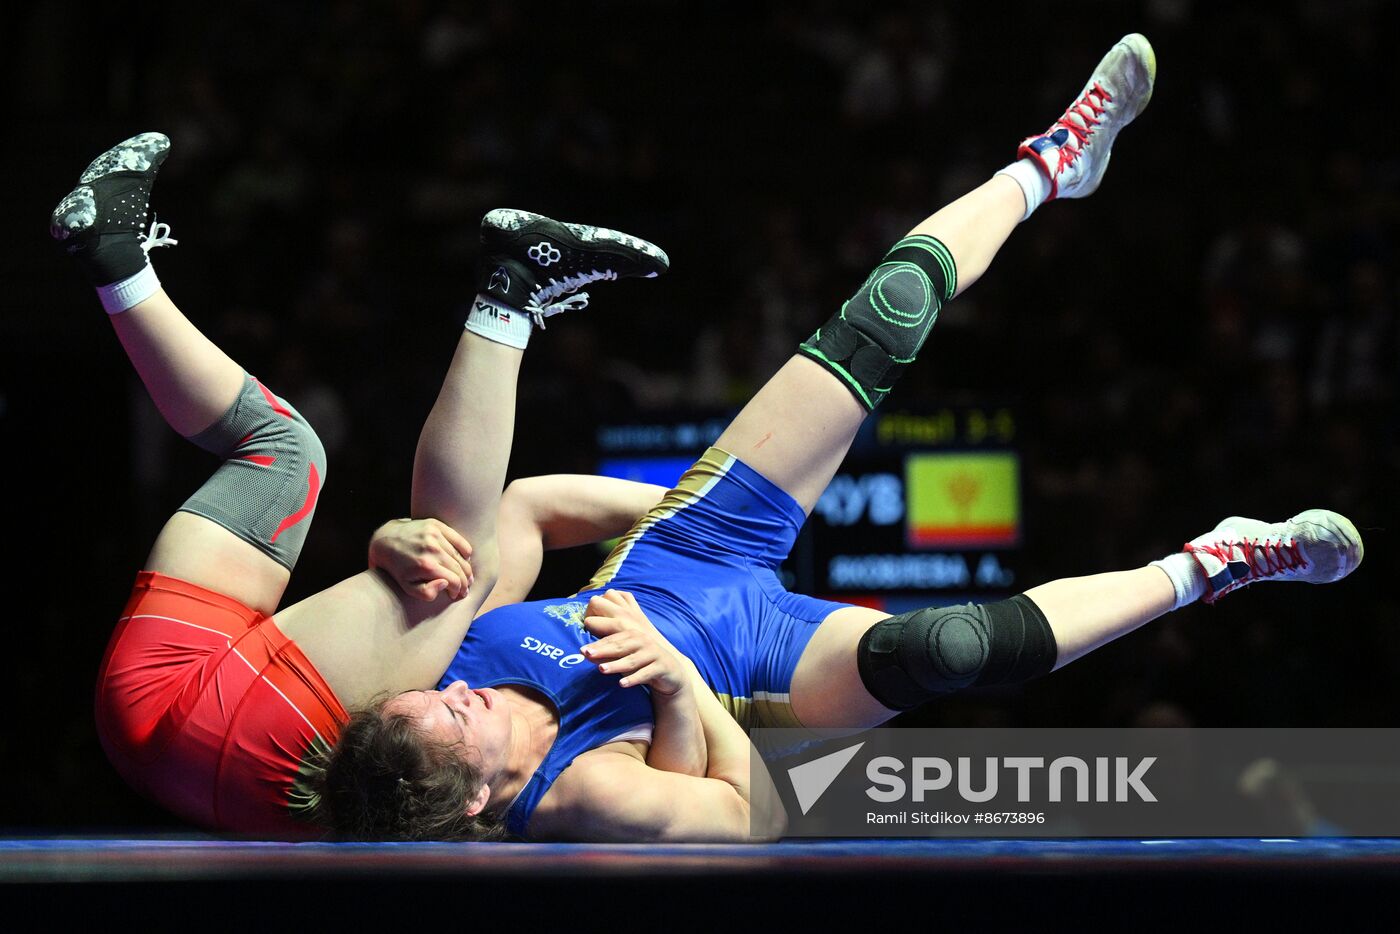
pixel 274 468
pixel 909 659
pixel 880 330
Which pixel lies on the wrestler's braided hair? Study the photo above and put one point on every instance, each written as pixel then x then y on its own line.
pixel 384 780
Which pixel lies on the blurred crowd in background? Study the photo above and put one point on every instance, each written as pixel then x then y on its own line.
pixel 1213 333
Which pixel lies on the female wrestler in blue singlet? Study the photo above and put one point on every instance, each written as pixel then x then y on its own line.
pixel 550 746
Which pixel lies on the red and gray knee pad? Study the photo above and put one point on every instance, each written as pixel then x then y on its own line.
pixel 274 468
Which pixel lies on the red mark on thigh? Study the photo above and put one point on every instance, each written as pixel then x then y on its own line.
pixel 762 441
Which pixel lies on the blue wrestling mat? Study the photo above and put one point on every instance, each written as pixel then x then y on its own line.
pixel 132 860
pixel 1156 883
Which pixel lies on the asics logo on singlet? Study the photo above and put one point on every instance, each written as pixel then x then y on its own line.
pixel 544 253
pixel 551 652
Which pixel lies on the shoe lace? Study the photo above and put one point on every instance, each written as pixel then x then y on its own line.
pixel 1265 557
pixel 159 236
pixel 1087 111
pixel 540 305
pixel 538 312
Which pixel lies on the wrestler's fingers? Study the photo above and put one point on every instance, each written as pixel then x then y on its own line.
pixel 648 674
pixel 428 566
pixel 602 626
pixel 604 603
pixel 437 564
pixel 613 646
pixel 460 571
pixel 456 539
pixel 459 581
pixel 427 590
pixel 597 606
pixel 628 606
pixel 454 582
pixel 628 664
pixel 621 599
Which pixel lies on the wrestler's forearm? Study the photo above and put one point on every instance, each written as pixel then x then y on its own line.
pixel 559 511
pixel 733 759
pixel 579 509
pixel 678 739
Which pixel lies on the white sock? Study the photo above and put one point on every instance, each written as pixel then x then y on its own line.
pixel 119 296
pixel 1187 576
pixel 1034 185
pixel 500 323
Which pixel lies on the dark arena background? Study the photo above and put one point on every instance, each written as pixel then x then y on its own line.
pixel 1213 333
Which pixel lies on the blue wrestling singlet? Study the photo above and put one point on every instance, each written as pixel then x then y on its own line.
pixel 703 566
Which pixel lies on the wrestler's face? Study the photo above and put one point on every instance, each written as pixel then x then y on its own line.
pixel 476 722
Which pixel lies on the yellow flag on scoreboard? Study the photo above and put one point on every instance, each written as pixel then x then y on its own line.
pixel 963 500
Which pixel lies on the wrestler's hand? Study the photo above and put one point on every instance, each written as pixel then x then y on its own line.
pixel 424 557
pixel 629 645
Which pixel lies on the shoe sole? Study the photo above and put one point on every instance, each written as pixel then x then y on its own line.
pixel 138 155
pixel 514 222
pixel 1141 50
pixel 1337 525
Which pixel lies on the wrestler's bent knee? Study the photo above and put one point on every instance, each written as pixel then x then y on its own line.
pixel 273 472
pixel 912 658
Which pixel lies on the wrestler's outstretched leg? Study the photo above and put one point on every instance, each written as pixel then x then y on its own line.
pixel 798 427
pixel 241 533
pixel 863 667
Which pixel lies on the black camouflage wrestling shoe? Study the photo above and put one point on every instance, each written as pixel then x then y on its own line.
pixel 532 262
pixel 102 222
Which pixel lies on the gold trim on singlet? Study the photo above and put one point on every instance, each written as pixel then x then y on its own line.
pixel 764 709
pixel 769 711
pixel 689 489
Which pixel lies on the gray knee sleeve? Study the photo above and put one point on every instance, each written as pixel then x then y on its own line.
pixel 880 330
pixel 909 659
pixel 274 467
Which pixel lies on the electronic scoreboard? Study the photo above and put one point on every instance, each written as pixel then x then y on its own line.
pixel 926 509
